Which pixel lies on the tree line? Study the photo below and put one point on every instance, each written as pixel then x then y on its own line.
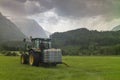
pixel 87 42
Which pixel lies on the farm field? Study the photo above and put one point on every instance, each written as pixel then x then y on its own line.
pixel 81 68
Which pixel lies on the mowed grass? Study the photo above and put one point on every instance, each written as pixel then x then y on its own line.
pixel 81 68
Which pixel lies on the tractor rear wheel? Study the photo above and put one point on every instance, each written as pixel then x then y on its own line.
pixel 34 59
pixel 24 59
pixel 54 64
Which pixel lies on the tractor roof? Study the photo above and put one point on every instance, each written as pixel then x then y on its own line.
pixel 42 39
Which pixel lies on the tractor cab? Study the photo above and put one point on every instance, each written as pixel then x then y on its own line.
pixel 40 44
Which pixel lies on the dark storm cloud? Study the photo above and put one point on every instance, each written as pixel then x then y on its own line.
pixel 66 8
pixel 12 7
pixel 21 1
pixel 82 8
pixel 48 4
pixel 78 8
pixel 20 7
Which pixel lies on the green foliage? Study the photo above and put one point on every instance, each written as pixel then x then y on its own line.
pixel 9 53
pixel 12 46
pixel 85 42
pixel 69 50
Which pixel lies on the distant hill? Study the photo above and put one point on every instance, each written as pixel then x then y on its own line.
pixel 30 28
pixel 83 41
pixel 85 37
pixel 9 31
pixel 117 28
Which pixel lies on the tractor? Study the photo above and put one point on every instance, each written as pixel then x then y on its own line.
pixel 39 51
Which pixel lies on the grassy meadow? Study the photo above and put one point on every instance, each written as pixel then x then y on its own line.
pixel 81 68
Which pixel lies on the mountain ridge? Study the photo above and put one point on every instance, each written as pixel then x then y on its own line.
pixel 87 42
pixel 9 31
pixel 30 28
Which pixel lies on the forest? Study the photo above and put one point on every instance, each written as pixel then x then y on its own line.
pixel 87 42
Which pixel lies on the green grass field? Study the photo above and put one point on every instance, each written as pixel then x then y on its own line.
pixel 81 68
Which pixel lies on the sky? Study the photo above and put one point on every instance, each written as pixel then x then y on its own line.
pixel 64 15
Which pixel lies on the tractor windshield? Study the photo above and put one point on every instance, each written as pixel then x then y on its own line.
pixel 39 43
pixel 47 44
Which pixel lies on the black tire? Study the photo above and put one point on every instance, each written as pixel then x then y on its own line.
pixel 33 59
pixel 54 64
pixel 24 59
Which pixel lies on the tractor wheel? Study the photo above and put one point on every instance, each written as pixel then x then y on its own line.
pixel 54 64
pixel 24 59
pixel 34 59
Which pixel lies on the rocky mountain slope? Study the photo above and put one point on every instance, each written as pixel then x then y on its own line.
pixel 9 31
pixel 30 28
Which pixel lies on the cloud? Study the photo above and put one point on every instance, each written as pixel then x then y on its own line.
pixel 12 7
pixel 22 1
pixel 63 15
pixel 20 8
pixel 66 8
pixel 82 8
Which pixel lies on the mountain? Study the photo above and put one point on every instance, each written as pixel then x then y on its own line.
pixel 9 31
pixel 84 37
pixel 30 28
pixel 117 28
pixel 84 42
